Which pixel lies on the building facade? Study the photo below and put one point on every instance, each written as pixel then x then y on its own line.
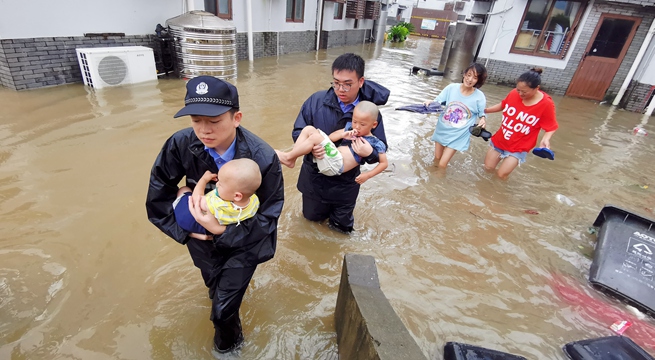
pixel 38 38
pixel 399 11
pixel 587 48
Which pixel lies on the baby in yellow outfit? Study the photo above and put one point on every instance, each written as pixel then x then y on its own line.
pixel 232 201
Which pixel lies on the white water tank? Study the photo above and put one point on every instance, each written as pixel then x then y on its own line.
pixel 204 45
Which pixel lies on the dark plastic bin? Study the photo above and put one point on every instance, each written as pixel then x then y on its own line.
pixel 606 348
pixel 624 260
pixel 458 351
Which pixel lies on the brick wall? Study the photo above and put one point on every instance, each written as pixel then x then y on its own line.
pixel 443 17
pixel 636 96
pixel 298 41
pixel 6 79
pixel 556 81
pixel 48 61
pixel 635 2
pixel 553 81
pixel 264 45
pixel 336 38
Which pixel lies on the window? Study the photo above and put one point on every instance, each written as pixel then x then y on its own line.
pixel 372 10
pixel 295 10
pixel 338 11
pixel 220 8
pixel 355 9
pixel 611 36
pixel 547 27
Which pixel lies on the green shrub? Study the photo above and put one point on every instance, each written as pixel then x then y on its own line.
pixel 399 32
pixel 409 26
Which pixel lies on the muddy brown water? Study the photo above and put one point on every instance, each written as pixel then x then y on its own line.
pixel 84 275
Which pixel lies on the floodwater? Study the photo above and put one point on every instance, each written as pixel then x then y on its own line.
pixel 84 275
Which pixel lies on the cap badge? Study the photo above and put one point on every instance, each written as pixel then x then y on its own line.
pixel 202 89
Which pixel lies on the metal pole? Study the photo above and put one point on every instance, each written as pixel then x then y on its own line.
pixel 635 64
pixel 319 24
pixel 251 50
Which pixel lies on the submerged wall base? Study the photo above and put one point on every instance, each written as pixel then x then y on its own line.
pixel 366 324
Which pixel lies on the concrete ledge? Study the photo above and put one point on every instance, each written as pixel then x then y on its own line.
pixel 366 324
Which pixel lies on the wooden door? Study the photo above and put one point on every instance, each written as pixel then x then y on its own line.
pixel 603 56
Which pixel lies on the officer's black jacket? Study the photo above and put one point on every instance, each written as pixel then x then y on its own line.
pixel 322 111
pixel 252 241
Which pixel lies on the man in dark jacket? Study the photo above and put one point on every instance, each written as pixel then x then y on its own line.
pixel 334 197
pixel 228 257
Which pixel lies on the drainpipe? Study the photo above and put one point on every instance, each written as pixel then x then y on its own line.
pixel 277 35
pixel 635 65
pixel 251 50
pixel 500 28
pixel 319 24
pixel 650 108
pixel 189 5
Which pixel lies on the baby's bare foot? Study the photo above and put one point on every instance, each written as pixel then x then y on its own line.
pixel 285 160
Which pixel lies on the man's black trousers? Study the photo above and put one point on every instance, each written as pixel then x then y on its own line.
pixel 226 289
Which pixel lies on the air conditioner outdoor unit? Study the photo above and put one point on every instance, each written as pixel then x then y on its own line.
pixel 112 66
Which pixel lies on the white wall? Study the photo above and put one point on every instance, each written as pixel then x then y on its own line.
pixel 433 5
pixel 407 15
pixel 441 4
pixel 392 9
pixel 646 72
pixel 330 23
pixel 502 28
pixel 41 18
pixel 271 15
pixel 481 7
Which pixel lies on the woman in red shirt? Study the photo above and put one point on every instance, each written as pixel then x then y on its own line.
pixel 526 110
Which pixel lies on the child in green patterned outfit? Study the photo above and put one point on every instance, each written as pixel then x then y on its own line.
pixel 343 158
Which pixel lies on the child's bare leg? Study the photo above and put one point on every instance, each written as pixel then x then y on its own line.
pixel 349 162
pixel 182 190
pixel 446 156
pixel 438 152
pixel 308 138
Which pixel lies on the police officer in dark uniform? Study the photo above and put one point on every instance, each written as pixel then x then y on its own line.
pixel 334 197
pixel 228 258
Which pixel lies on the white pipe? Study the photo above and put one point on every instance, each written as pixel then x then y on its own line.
pixel 277 35
pixel 189 5
pixel 319 24
pixel 650 108
pixel 251 51
pixel 635 64
pixel 500 28
pixel 270 6
pixel 501 11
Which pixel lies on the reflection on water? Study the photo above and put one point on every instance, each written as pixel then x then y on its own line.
pixel 85 276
